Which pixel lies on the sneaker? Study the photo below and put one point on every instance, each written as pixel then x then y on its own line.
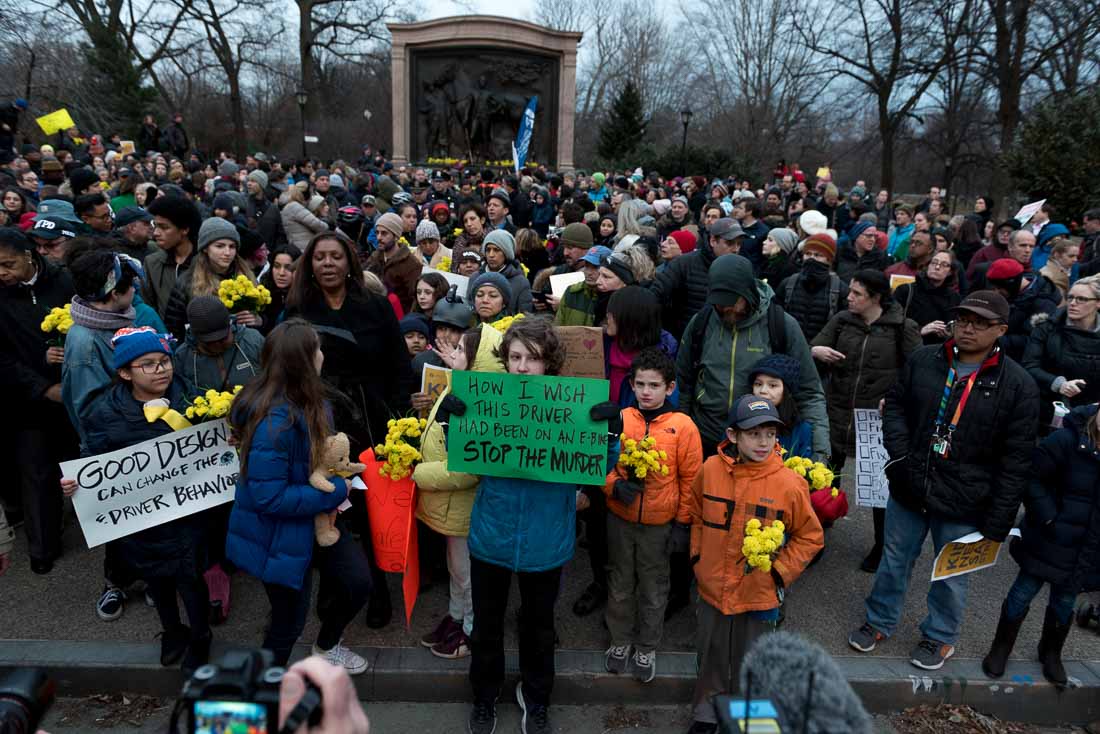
pixel 931 655
pixel 483 718
pixel 442 631
pixel 865 638
pixel 454 647
pixel 645 665
pixel 111 603
pixel 616 658
pixel 871 560
pixel 536 716
pixel 343 657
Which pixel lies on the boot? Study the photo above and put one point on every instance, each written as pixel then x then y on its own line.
pixel 198 654
pixel 1007 629
pixel 173 643
pixel 1050 648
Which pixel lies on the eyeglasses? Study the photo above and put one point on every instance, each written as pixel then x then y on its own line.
pixel 939 265
pixel 978 325
pixel 1080 299
pixel 151 368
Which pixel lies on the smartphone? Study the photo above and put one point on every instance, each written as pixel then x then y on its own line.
pixel 539 296
pixel 217 717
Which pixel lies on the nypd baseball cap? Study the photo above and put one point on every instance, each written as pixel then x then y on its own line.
pixel 51 228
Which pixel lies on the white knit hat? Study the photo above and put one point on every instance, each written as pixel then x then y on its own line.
pixel 813 222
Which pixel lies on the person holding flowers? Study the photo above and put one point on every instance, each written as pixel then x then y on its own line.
pixel 445 500
pixel 216 260
pixel 34 295
pixel 753 533
pixel 148 401
pixel 649 501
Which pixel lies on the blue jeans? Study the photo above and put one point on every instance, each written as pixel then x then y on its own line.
pixel 905 534
pixel 1026 587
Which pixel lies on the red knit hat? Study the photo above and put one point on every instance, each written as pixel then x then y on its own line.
pixel 685 239
pixel 1004 269
pixel 822 243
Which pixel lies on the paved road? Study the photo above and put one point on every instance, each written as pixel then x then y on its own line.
pixel 824 605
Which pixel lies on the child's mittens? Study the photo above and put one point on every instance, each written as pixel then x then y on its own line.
pixel 610 412
pixel 625 491
pixel 679 538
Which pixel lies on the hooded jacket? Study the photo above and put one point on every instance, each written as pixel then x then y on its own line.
pixel 725 495
pixel 161 274
pixel 1057 352
pixel 729 353
pixel 1030 307
pixel 985 473
pixel 665 497
pixel 577 306
pixel 445 498
pixel 399 272
pixel 873 354
pixel 299 224
pixel 682 287
pixel 1060 535
pixel 520 288
pixel 239 364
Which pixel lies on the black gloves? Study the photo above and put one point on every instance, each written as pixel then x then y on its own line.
pixel 625 491
pixel 610 412
pixel 679 540
pixel 450 405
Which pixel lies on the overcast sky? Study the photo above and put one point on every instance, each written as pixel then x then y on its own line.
pixel 521 9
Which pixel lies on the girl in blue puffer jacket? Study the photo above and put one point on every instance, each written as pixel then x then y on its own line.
pixel 281 420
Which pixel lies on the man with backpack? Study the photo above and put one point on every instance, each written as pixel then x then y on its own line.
pixel 740 325
pixel 816 294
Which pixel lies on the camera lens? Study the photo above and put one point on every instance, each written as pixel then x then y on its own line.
pixel 206 672
pixel 14 717
pixel 274 675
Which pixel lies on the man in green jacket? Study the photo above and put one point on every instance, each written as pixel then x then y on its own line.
pixel 737 331
pixel 578 304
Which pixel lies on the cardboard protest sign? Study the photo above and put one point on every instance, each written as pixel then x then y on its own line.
pixel 461 281
pixel 153 482
pixel 969 553
pixel 872 489
pixel 126 147
pixel 55 121
pixel 559 283
pixel 898 279
pixel 391 508
pixel 528 427
pixel 432 383
pixel 1028 211
pixel 583 351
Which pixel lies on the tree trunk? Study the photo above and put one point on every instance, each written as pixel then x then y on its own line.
pixel 305 54
pixel 887 132
pixel 236 109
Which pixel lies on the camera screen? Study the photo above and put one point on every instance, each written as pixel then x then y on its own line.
pixel 230 717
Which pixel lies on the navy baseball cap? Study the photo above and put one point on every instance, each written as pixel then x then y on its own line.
pixel 751 411
pixel 130 214
pixel 51 228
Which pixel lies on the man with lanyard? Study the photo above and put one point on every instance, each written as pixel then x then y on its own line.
pixel 959 428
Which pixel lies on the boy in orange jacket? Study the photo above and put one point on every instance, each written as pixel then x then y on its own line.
pixel 745 481
pixel 647 518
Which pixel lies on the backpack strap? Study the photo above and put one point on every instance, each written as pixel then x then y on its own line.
pixel 698 334
pixel 834 293
pixel 791 283
pixel 777 328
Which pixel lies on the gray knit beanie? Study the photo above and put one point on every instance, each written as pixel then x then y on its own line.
pixel 216 228
pixel 504 240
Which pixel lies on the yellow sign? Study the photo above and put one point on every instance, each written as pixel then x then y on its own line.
pixel 433 383
pixel 55 121
pixel 126 147
pixel 898 279
pixel 969 553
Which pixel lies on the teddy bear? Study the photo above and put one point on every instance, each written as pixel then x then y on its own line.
pixel 335 461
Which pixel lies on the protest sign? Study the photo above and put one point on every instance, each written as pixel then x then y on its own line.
pixel 969 553
pixel 126 147
pixel 559 283
pixel 55 121
pixel 583 347
pixel 153 482
pixel 898 279
pixel 391 508
pixel 872 489
pixel 528 427
pixel 1028 211
pixel 432 383
pixel 461 281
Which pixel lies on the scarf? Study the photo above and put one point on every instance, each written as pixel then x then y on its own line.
pixel 92 318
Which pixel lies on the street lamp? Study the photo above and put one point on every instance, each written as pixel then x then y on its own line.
pixel 685 119
pixel 302 96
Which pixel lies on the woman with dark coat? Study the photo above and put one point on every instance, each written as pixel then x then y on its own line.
pixel 864 348
pixel 1063 351
pixel 366 360
pixel 930 300
pixel 1059 543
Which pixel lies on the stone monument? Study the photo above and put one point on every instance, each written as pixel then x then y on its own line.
pixel 461 84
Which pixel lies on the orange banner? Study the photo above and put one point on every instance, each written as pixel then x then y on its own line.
pixel 391 509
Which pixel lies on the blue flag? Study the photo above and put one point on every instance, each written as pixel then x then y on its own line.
pixel 523 139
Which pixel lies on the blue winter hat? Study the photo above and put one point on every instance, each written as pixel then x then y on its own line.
pixel 131 343
pixel 1050 231
pixel 595 255
pixel 415 322
pixel 496 280
pixel 781 366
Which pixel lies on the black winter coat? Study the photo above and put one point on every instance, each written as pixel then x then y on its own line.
pixel 174 549
pixel 924 303
pixel 809 303
pixel 1056 349
pixel 984 476
pixel 682 287
pixel 1027 308
pixel 1060 540
pixel 848 263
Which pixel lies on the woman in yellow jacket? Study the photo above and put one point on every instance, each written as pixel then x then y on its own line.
pixel 746 480
pixel 446 499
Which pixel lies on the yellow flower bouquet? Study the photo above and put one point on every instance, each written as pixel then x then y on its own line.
pixel 761 544
pixel 642 458
pixel 241 294
pixel 817 475
pixel 444 265
pixel 58 321
pixel 401 451
pixel 502 324
pixel 211 406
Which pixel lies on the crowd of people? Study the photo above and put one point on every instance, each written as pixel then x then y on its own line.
pixel 742 326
